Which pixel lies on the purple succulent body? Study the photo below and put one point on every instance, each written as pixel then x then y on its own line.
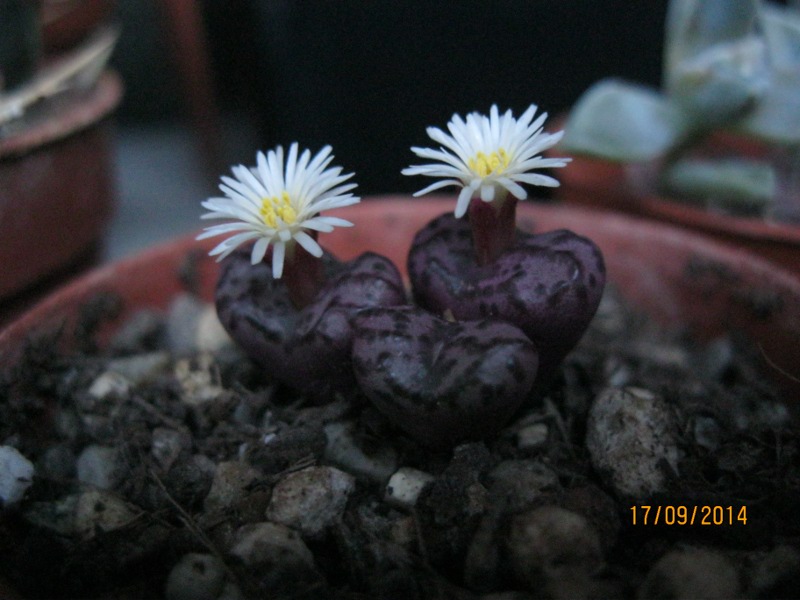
pixel 549 285
pixel 307 349
pixel 439 381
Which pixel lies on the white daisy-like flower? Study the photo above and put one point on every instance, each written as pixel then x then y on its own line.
pixel 485 155
pixel 274 203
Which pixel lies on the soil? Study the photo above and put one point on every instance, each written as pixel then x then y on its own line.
pixel 172 467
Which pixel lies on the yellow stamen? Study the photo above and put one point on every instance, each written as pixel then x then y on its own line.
pixel 278 206
pixel 493 164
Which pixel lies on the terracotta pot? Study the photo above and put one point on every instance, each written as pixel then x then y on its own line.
pixel 66 23
pixel 677 277
pixel 56 187
pixel 604 184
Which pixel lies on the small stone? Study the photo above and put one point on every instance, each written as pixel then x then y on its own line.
pixel 344 450
pixel 98 511
pixel 140 368
pixel 311 500
pixel 108 384
pixel 691 573
pixel 98 466
pixel 230 484
pixel 631 434
pixel 190 479
pixel 141 331
pixel 16 475
pixel 210 335
pixel 167 444
pixel 532 436
pixel 276 555
pixel 518 483
pixel 84 514
pixel 183 319
pixel 403 532
pixel 405 486
pixel 549 543
pixel 776 575
pixel 198 379
pixel 195 577
pixel 58 462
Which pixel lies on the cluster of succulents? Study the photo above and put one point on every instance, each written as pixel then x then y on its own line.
pixel 491 312
pixel 729 66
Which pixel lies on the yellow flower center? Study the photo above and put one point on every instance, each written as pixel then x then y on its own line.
pixel 493 164
pixel 277 206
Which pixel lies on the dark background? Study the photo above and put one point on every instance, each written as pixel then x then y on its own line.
pixel 367 77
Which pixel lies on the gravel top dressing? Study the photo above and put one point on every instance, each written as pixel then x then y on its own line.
pixel 168 465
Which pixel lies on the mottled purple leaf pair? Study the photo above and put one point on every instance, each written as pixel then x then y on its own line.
pixel 455 366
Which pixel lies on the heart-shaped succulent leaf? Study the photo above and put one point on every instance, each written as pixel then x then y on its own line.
pixel 307 349
pixel 440 381
pixel 549 285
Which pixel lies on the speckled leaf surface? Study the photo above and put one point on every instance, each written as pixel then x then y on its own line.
pixel 307 349
pixel 549 285
pixel 440 381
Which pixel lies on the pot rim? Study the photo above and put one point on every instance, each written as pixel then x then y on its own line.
pixel 76 112
pixel 63 303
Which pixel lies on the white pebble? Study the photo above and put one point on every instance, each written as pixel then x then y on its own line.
pixel 109 383
pixel 278 552
pixel 182 322
pixel 630 434
pixel 231 479
pixel 99 511
pixel 405 486
pixel 198 380
pixel 16 475
pixel 140 367
pixel 195 577
pixel 311 500
pixel 691 573
pixel 210 334
pixel 98 466
pixel 532 436
pixel 167 444
pixel 549 543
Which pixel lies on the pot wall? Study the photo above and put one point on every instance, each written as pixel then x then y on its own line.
pixel 56 187
pixel 602 184
pixel 675 276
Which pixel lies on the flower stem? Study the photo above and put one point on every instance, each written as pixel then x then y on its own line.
pixel 303 275
pixel 493 227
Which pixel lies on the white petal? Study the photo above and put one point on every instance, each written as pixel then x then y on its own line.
pixel 436 186
pixel 307 242
pixel 464 197
pixel 537 179
pixel 278 252
pixel 259 250
pixel 487 193
pixel 513 188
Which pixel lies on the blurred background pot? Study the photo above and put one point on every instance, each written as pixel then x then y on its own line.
pixel 65 23
pixel 601 184
pixel 678 278
pixel 56 187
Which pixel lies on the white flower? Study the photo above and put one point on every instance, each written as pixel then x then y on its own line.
pixel 487 154
pixel 274 203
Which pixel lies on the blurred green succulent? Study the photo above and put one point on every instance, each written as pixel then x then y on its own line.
pixel 728 64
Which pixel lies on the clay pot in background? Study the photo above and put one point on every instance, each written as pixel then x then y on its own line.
pixel 56 189
pixel 608 185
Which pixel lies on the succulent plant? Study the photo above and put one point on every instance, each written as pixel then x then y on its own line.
pixel 731 65
pixel 308 348
pixel 441 381
pixel 549 285
pixel 497 307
